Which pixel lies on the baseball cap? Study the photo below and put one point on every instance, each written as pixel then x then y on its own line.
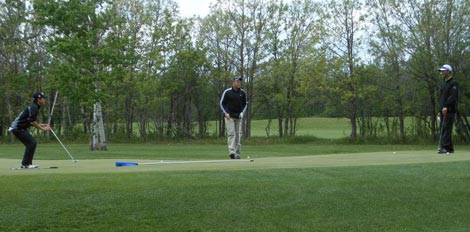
pixel 39 95
pixel 237 78
pixel 446 67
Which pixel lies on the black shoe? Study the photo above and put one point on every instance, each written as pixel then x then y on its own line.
pixel 232 156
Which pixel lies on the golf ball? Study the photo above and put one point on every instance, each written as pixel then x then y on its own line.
pixel 447 153
pixel 248 157
pixel 394 153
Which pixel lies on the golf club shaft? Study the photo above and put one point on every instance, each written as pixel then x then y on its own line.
pixel 71 157
pixel 440 134
pixel 52 109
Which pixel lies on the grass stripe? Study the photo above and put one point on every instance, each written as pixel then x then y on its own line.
pixel 334 160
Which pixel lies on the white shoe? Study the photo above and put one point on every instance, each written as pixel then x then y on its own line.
pixel 30 166
pixel 237 156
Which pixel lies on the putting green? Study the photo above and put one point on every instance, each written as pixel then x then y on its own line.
pixel 336 160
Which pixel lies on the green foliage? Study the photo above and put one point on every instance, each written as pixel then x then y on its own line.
pixel 82 52
pixel 151 68
pixel 16 35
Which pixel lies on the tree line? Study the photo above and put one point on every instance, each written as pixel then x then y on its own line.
pixel 138 68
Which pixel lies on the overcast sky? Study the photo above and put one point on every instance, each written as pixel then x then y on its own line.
pixel 189 8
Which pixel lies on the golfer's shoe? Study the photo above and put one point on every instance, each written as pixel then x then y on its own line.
pixel 237 156
pixel 444 151
pixel 29 166
pixel 232 156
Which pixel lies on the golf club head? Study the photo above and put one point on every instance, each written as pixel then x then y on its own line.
pixel 74 161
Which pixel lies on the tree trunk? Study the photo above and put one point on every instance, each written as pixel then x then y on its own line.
pixel 99 138
pixel 353 127
pixel 280 126
pixel 129 117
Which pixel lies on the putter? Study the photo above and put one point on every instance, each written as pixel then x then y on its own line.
pixel 49 123
pixel 440 134
pixel 71 157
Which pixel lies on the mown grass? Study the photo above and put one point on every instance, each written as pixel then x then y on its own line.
pixel 326 128
pixel 420 197
pixel 357 195
pixel 323 128
pixel 53 151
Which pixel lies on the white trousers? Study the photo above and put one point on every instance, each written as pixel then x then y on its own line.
pixel 234 135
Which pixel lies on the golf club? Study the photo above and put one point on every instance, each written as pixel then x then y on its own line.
pixel 71 157
pixel 124 163
pixel 440 134
pixel 52 109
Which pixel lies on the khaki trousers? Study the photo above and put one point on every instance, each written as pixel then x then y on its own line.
pixel 234 135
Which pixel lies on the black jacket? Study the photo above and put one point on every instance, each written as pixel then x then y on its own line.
pixel 233 102
pixel 449 96
pixel 26 117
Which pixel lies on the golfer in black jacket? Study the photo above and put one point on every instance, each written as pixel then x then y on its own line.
pixel 448 98
pixel 20 127
pixel 233 104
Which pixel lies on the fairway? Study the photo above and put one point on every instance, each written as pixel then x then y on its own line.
pixel 332 160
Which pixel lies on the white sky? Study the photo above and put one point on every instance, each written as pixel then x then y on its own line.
pixel 189 8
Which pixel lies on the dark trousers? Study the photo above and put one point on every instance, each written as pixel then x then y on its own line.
pixel 29 142
pixel 446 132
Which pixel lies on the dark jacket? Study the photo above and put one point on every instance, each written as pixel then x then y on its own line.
pixel 26 117
pixel 449 96
pixel 233 102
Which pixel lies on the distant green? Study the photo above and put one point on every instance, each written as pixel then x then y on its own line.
pixel 328 128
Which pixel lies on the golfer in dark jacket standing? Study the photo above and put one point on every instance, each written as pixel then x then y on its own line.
pixel 234 104
pixel 20 126
pixel 448 98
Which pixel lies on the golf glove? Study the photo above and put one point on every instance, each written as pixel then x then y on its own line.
pixel 241 115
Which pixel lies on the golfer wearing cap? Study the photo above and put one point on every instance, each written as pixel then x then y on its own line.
pixel 20 126
pixel 233 104
pixel 448 97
